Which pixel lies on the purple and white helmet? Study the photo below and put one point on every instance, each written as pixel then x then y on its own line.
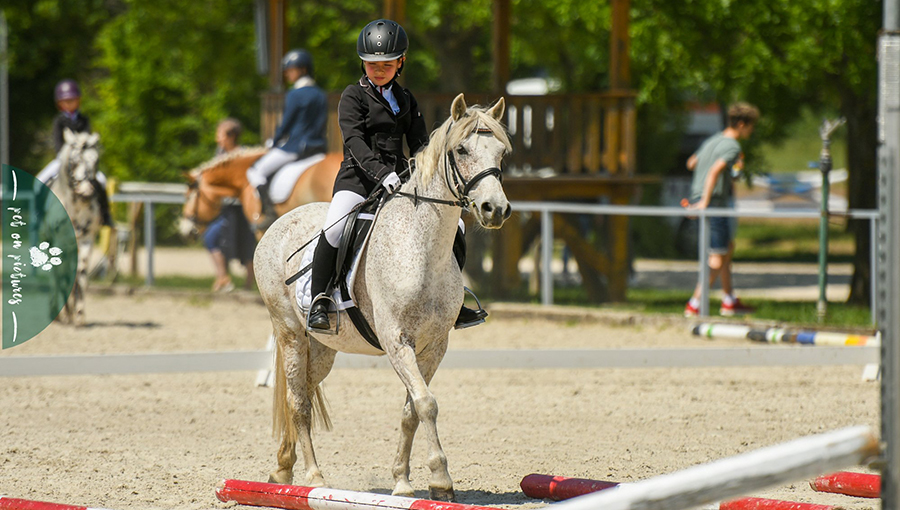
pixel 67 89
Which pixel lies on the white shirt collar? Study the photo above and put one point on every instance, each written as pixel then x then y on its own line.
pixel 304 81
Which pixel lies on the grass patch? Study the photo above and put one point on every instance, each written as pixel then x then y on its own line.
pixel 780 240
pixel 796 313
pixel 180 282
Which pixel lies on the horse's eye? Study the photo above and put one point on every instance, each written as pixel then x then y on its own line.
pixel 462 151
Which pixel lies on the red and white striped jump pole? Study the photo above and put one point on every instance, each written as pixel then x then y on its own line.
pixel 860 485
pixel 7 503
pixel 738 475
pixel 559 488
pixel 770 504
pixel 295 497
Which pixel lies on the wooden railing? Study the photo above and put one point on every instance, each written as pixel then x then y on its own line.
pixel 572 134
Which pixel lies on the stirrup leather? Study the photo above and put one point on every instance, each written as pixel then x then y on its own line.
pixel 337 316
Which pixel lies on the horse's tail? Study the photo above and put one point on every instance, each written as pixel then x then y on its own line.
pixel 283 426
pixel 320 415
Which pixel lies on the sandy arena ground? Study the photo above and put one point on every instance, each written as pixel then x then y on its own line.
pixel 164 441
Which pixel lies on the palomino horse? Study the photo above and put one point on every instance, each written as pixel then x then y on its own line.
pixel 408 286
pixel 75 186
pixel 226 176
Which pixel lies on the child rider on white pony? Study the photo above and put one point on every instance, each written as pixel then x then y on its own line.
pixel 374 114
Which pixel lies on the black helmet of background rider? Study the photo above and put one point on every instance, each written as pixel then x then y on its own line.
pixel 382 40
pixel 300 59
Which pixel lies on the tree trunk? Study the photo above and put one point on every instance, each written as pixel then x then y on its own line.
pixel 862 145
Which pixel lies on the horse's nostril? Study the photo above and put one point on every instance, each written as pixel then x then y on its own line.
pixel 507 212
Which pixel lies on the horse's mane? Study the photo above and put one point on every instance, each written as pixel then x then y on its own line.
pixel 216 162
pixel 450 134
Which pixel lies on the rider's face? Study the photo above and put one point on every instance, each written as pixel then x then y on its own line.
pixel 69 105
pixel 381 73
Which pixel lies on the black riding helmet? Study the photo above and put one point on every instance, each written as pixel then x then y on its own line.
pixel 298 58
pixel 382 40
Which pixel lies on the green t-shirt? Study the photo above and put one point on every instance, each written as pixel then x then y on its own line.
pixel 713 149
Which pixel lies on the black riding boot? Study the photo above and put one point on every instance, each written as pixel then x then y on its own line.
pixel 103 200
pixel 268 208
pixel 467 317
pixel 322 271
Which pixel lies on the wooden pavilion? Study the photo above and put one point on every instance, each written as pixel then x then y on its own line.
pixel 587 139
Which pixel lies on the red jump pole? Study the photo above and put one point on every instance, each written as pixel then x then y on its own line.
pixel 559 488
pixel 27 504
pixel 860 485
pixel 294 497
pixel 770 504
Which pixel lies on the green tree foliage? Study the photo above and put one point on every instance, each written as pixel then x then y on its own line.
pixel 172 70
pixel 49 40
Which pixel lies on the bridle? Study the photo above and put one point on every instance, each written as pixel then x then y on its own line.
pixel 194 187
pixel 455 181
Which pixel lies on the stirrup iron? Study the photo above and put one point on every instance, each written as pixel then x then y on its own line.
pixel 337 316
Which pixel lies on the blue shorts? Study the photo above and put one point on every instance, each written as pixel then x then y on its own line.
pixel 721 234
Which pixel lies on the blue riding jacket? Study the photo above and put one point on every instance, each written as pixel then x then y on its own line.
pixel 305 119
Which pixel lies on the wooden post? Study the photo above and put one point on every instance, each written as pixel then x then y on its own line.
pixel 277 42
pixel 500 43
pixel 620 43
pixel 395 10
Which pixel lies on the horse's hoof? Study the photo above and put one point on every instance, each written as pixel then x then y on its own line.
pixel 403 490
pixel 442 494
pixel 281 477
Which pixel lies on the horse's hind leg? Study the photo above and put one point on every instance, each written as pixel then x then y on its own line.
pixel 421 406
pixel 304 366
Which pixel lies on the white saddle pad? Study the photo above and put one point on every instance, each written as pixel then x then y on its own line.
pixel 303 291
pixel 286 178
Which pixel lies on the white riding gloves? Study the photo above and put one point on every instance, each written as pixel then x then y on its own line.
pixel 392 182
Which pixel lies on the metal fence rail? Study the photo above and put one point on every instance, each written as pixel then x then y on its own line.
pixel 547 209
pixel 158 193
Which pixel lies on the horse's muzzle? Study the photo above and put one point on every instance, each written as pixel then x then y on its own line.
pixel 492 214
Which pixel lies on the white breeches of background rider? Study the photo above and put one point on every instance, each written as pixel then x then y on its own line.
pixel 52 170
pixel 341 205
pixel 266 166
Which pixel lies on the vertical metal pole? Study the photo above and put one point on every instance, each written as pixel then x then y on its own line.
pixel 889 249
pixel 825 131
pixel 148 239
pixel 825 164
pixel 704 264
pixel 546 257
pixel 4 92
pixel 873 269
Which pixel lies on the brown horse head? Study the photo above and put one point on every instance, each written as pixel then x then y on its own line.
pixel 220 177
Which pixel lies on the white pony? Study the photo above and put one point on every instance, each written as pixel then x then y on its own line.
pixel 75 188
pixel 408 286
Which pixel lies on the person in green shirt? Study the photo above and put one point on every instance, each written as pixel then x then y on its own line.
pixel 714 165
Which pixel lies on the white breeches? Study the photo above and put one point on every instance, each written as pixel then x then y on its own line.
pixel 266 166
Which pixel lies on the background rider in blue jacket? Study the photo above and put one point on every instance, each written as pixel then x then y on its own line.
pixel 304 123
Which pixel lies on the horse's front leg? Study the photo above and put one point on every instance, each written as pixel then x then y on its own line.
pixel 81 280
pixel 421 407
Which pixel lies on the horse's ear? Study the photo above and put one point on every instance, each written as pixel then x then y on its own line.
pixel 497 110
pixel 68 136
pixel 93 139
pixel 458 108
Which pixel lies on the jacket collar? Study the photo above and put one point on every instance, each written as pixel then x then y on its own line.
pixel 399 95
pixel 304 81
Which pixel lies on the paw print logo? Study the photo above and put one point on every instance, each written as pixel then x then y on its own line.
pixel 45 256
